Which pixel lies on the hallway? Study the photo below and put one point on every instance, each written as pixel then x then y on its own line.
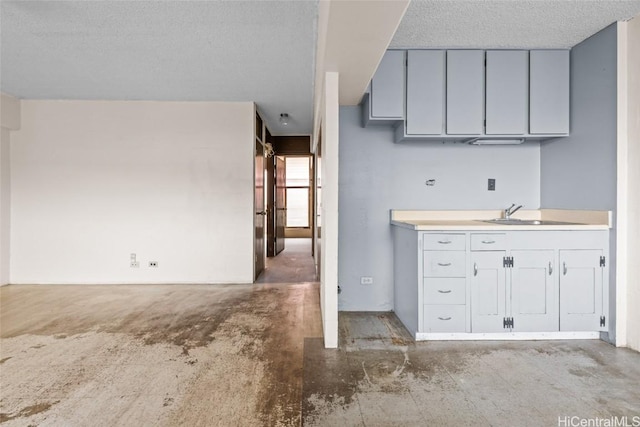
pixel 293 265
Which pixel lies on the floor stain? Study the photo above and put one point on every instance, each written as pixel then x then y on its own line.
pixel 28 411
pixel 4 360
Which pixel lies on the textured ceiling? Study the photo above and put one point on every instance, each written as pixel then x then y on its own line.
pixel 508 23
pixel 260 51
pixel 254 50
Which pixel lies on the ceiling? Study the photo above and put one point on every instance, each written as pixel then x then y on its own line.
pixel 525 24
pixel 253 50
pixel 260 51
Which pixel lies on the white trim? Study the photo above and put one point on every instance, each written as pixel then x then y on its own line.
pixel 506 336
pixel 622 264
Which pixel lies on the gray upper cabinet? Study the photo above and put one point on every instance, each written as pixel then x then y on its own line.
pixel 425 92
pixel 507 108
pixel 549 92
pixel 387 87
pixel 465 92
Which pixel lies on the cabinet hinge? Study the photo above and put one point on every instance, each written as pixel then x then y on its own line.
pixel 507 322
pixel 602 321
pixel 603 261
pixel 507 262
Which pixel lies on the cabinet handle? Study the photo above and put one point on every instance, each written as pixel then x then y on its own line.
pixel 550 268
pixel 446 264
pixel 564 268
pixel 444 318
pixel 488 242
pixel 444 292
pixel 475 269
pixel 444 242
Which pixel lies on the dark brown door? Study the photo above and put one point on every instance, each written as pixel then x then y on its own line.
pixel 281 203
pixel 260 214
pixel 318 207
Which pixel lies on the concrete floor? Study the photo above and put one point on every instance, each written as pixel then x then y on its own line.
pixel 293 265
pixel 252 355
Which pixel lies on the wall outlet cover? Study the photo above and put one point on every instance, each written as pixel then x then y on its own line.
pixel 365 280
pixel 491 185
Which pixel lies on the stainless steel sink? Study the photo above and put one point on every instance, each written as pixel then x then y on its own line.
pixel 515 221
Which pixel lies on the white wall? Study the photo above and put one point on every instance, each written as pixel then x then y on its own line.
pixel 10 121
pixel 93 181
pixel 330 214
pixel 629 186
pixel 377 175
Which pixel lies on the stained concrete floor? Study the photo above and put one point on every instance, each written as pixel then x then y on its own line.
pixel 154 355
pixel 379 377
pixel 293 265
pixel 252 355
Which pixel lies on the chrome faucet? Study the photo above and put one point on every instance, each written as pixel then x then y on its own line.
pixel 510 211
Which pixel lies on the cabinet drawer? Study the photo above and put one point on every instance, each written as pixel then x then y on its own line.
pixel 438 290
pixel 444 263
pixel 444 318
pixel 443 242
pixel 488 242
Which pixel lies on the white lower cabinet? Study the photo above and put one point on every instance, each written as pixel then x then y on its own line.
pixel 511 281
pixel 488 291
pixel 515 293
pixel 582 296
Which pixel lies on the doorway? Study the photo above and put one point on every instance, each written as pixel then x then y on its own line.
pixel 290 218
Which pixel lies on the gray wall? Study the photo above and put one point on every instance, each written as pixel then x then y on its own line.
pixel 579 172
pixel 377 175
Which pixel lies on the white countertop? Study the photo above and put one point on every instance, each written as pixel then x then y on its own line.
pixel 474 220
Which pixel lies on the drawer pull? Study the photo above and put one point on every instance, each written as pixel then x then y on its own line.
pixel 444 318
pixel 444 242
pixel 550 268
pixel 488 242
pixel 444 292
pixel 564 268
pixel 475 269
pixel 444 264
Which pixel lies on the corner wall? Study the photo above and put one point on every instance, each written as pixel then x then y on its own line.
pixel 579 172
pixel 94 181
pixel 377 175
pixel 10 121
pixel 629 185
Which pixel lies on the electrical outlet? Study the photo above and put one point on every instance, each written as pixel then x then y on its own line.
pixel 135 264
pixel 364 280
pixel 492 185
pixel 153 264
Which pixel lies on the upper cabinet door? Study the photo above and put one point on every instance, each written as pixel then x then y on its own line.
pixel 425 92
pixel 465 92
pixel 549 92
pixel 387 86
pixel 507 92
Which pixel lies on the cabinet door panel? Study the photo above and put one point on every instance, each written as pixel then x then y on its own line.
pixel 425 92
pixel 581 290
pixel 488 292
pixel 387 86
pixel 465 92
pixel 534 291
pixel 507 92
pixel 549 92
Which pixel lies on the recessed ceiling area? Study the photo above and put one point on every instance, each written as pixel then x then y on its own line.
pixel 260 51
pixel 524 24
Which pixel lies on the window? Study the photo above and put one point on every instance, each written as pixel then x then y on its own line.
pixel 297 188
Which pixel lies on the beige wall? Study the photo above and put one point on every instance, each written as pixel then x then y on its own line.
pixel 94 181
pixel 633 180
pixel 10 121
